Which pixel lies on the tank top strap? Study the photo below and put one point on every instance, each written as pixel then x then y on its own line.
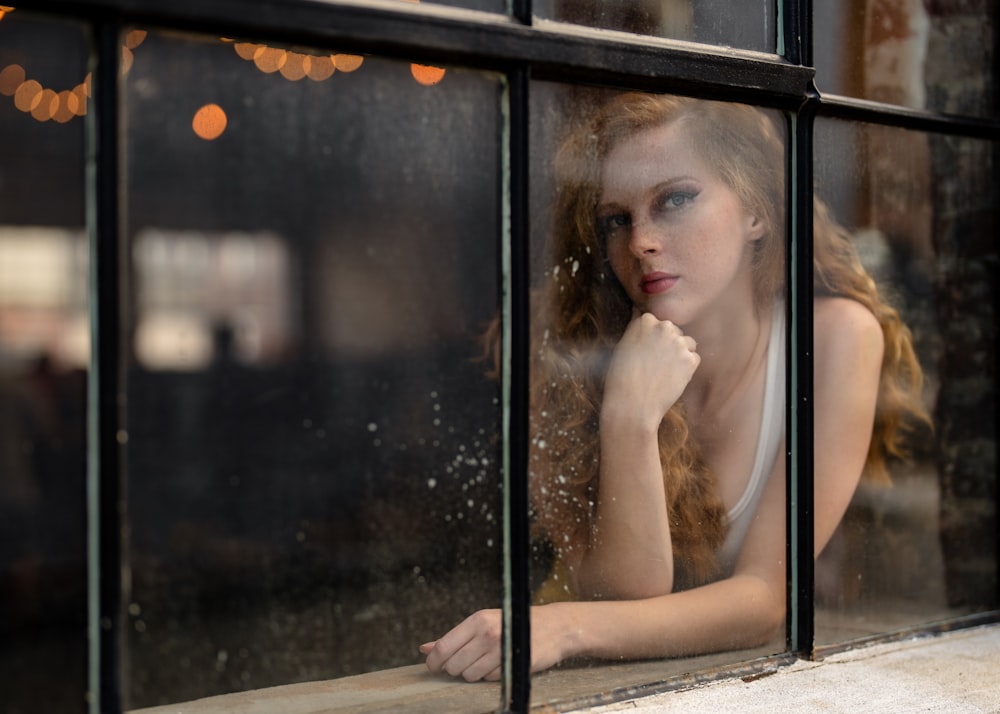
pixel 772 432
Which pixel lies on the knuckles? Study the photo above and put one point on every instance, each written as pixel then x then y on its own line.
pixel 488 626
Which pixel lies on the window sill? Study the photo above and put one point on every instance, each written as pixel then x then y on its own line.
pixel 951 672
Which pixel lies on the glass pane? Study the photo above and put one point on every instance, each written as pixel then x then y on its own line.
pixel 745 25
pixel 647 521
pixel 919 543
pixel 313 452
pixel 44 353
pixel 936 56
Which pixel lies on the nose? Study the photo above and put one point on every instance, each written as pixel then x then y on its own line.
pixel 644 239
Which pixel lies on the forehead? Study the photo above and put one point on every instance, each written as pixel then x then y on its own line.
pixel 649 157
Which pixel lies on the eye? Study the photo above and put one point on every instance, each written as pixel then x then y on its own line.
pixel 613 224
pixel 673 200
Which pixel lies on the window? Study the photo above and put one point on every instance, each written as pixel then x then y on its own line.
pixel 253 432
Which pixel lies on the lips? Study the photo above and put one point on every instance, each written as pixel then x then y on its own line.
pixel 655 283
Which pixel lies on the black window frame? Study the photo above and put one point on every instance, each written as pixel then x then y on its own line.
pixel 521 48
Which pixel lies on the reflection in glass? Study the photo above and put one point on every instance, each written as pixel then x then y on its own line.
pixel 922 546
pixel 650 524
pixel 44 358
pixel 935 56
pixel 313 462
pixel 746 25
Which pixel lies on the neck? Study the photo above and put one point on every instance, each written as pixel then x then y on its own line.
pixel 730 350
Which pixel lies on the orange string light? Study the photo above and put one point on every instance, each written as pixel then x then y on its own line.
pixel 45 104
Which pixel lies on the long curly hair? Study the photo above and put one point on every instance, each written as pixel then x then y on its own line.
pixel 581 312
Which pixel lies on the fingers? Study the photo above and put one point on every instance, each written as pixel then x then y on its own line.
pixel 493 676
pixel 667 326
pixel 471 650
pixel 472 662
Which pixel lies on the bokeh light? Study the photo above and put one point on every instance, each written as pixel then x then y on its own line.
pixel 81 92
pixel 426 75
pixel 127 59
pixel 66 108
pixel 321 68
pixel 61 106
pixel 47 104
pixel 44 107
pixel 28 95
pixel 245 50
pixel 296 66
pixel 347 63
pixel 135 38
pixel 209 122
pixel 269 59
pixel 11 77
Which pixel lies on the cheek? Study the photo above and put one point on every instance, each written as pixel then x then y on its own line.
pixel 617 260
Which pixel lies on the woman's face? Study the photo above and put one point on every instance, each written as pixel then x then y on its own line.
pixel 677 237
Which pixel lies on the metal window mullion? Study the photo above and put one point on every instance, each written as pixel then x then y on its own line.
pixel 516 340
pixel 522 11
pixel 104 388
pixel 800 504
pixel 517 633
pixel 795 31
pixel 795 38
pixel 910 118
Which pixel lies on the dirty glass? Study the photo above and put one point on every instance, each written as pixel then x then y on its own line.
pixel 743 25
pixel 580 309
pixel 313 482
pixel 925 55
pixel 920 545
pixel 44 355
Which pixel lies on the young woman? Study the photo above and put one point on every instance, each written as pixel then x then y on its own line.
pixel 657 467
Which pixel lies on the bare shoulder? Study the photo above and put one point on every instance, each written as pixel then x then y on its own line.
pixel 844 329
pixel 840 319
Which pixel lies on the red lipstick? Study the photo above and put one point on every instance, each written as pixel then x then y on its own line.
pixel 655 283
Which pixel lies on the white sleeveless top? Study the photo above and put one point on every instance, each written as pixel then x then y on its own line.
pixel 772 432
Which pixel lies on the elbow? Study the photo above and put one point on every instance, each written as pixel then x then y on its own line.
pixel 772 624
pixel 765 616
pixel 767 627
pixel 771 621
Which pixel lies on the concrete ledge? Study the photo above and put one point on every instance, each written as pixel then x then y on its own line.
pixel 952 673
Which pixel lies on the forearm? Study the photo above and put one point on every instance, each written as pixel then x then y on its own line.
pixel 629 553
pixel 737 613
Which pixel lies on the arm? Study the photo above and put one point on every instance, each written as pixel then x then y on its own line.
pixel 745 610
pixel 848 348
pixel 629 554
pixel 748 608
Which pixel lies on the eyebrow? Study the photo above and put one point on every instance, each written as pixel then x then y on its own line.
pixel 656 187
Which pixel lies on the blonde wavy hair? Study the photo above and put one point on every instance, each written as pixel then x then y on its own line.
pixel 581 312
